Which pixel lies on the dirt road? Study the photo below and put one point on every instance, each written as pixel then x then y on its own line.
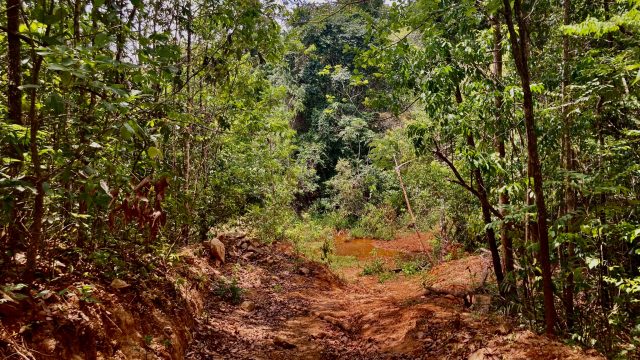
pixel 296 309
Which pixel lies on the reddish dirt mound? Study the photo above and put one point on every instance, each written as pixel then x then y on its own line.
pixel 461 275
pixel 96 319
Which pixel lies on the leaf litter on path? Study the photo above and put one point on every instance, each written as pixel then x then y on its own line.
pixel 314 314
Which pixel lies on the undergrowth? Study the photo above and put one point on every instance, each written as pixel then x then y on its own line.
pixel 229 290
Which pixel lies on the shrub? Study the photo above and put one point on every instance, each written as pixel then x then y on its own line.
pixel 374 267
pixel 229 290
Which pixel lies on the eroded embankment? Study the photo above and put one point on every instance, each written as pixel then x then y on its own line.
pixel 96 318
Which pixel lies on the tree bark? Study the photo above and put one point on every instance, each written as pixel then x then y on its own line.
pixel 569 194
pixel 406 200
pixel 14 73
pixel 14 113
pixel 505 239
pixel 483 196
pixel 486 217
pixel 35 231
pixel 519 49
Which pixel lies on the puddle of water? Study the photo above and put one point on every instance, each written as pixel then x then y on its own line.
pixel 360 248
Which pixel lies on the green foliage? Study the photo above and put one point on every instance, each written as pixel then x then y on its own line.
pixel 145 124
pixel 413 266
pixel 375 266
pixel 228 290
pixel 144 139
pixel 85 292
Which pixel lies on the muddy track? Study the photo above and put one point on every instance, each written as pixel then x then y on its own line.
pixel 300 310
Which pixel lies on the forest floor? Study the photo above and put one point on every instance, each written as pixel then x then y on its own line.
pixel 297 309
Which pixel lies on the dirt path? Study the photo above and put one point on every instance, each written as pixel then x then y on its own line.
pixel 300 310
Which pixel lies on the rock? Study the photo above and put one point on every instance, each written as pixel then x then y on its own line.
pixel 49 344
pixel 119 284
pixel 248 306
pixel 304 271
pixel 20 258
pixel 216 248
pixel 237 235
pixel 281 341
pixel 229 238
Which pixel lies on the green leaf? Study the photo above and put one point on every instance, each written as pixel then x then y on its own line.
pixel 57 67
pixel 55 103
pixel 592 262
pixel 154 152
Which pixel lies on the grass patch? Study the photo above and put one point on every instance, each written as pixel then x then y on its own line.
pixel 386 275
pixel 413 266
pixel 313 238
pixel 374 266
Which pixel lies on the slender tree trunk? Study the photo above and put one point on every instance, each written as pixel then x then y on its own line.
pixel 569 207
pixel 507 242
pixel 482 194
pixel 14 73
pixel 84 136
pixel 188 129
pixel 486 217
pixel 14 113
pixel 35 231
pixel 406 200
pixel 519 48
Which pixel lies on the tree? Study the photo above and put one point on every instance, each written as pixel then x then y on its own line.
pixel 519 49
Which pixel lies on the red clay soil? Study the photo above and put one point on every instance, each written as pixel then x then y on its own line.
pixel 299 310
pixel 291 309
pixel 97 319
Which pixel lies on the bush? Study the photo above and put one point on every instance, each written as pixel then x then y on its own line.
pixel 414 266
pixel 229 291
pixel 378 222
pixel 374 267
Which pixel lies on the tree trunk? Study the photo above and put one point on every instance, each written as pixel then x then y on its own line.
pixel 406 200
pixel 35 231
pixel 14 113
pixel 505 239
pixel 486 217
pixel 14 73
pixel 519 48
pixel 569 194
pixel 482 194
